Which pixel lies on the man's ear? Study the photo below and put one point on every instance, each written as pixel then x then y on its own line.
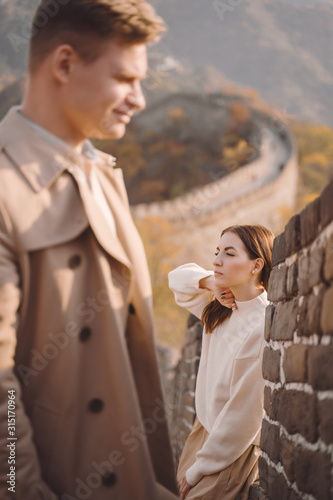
pixel 62 63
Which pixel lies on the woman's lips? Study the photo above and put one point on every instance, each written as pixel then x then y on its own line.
pixel 218 274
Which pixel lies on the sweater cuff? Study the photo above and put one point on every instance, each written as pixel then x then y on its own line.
pixel 186 278
pixel 193 475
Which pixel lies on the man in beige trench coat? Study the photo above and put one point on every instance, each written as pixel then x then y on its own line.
pixel 81 409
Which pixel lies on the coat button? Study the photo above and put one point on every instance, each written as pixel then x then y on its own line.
pixel 131 309
pixel 85 334
pixel 74 261
pixel 96 405
pixel 109 478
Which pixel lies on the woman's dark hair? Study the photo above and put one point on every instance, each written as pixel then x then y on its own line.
pixel 258 241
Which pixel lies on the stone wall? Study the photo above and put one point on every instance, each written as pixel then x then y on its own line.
pixel 179 386
pixel 297 433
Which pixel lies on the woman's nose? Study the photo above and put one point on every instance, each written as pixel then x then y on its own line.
pixel 217 261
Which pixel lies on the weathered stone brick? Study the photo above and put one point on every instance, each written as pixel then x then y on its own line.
pixel 275 404
pixel 292 235
pixel 271 364
pixel 257 493
pixel 194 332
pixel 316 265
pixel 291 282
pixel 189 400
pixel 279 253
pixel 192 320
pixel 285 320
pixel 270 440
pixel 192 382
pixel 295 496
pixel 328 266
pixel 310 313
pixel 297 414
pixel 303 279
pixel 312 472
pixel 193 367
pixel 294 363
pixel 286 458
pixel 198 330
pixel 277 284
pixel 309 218
pixel 190 351
pixel 326 320
pixel 268 320
pixel 325 412
pixel 263 473
pixel 278 488
pixel 189 416
pixel 267 400
pixel 326 205
pixel 320 367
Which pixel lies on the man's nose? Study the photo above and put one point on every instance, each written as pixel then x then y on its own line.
pixel 136 98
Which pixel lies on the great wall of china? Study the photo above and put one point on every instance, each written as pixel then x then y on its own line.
pixel 296 460
pixel 255 193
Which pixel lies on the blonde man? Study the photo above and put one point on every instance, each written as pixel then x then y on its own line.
pixel 78 367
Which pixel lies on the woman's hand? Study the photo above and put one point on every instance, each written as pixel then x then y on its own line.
pixel 184 488
pixel 223 295
pixel 226 298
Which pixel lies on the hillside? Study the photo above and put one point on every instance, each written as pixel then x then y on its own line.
pixel 184 141
pixel 282 49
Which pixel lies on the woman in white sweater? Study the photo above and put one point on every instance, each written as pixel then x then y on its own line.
pixel 219 460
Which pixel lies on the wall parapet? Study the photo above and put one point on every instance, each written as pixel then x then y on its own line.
pixel 297 434
pixel 278 152
pixel 180 388
pixel 296 460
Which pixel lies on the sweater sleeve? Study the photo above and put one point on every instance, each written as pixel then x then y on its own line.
pixel 184 282
pixel 237 425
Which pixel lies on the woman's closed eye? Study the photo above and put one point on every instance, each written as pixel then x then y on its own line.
pixel 230 254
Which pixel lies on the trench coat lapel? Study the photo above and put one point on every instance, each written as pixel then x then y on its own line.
pixel 99 225
pixel 116 202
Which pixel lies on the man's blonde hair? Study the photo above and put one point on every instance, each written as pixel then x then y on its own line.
pixel 86 24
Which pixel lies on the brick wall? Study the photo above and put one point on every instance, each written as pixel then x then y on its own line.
pixel 297 434
pixel 179 387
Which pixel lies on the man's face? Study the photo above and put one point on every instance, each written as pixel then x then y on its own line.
pixel 101 97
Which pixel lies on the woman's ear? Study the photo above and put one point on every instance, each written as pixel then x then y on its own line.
pixel 258 265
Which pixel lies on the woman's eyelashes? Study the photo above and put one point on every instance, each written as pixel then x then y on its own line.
pixel 230 254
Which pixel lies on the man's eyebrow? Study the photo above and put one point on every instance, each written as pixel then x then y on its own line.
pixel 129 76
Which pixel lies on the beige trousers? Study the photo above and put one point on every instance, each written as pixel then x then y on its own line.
pixel 232 483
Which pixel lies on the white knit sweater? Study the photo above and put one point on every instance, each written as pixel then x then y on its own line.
pixel 229 391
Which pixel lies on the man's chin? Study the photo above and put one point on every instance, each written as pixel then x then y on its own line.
pixel 114 132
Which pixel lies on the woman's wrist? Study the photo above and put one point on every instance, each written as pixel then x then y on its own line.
pixel 207 283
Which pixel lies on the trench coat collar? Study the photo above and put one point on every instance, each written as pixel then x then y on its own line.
pixel 41 165
pixel 39 161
